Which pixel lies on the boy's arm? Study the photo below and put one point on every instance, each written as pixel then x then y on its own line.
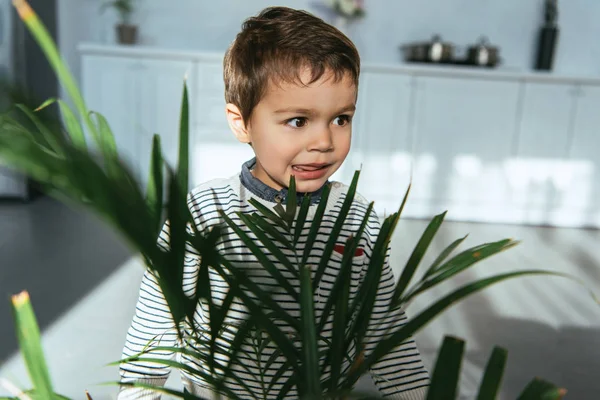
pixel 400 374
pixel 153 326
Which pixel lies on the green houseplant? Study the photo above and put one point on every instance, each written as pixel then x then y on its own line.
pixel 127 32
pixel 70 171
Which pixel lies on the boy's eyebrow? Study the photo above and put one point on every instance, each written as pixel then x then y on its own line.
pixel 349 107
pixel 294 110
pixel 308 111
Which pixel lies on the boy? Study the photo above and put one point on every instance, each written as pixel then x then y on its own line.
pixel 291 84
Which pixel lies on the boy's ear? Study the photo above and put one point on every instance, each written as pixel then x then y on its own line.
pixel 236 123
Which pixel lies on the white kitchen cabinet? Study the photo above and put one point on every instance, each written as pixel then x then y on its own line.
pixel 463 134
pixel 545 118
pixel 110 87
pixel 160 80
pixel 542 145
pixel 579 180
pixel 381 135
pixel 209 113
pixel 138 97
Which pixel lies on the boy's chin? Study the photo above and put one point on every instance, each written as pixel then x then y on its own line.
pixel 309 186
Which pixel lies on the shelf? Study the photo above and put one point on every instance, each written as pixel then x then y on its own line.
pixel 415 69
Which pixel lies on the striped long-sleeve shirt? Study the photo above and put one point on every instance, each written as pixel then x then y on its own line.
pixel 400 374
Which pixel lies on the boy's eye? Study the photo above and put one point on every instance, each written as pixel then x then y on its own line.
pixel 298 122
pixel 342 120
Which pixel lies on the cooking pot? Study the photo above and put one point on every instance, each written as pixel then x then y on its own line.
pixel 482 54
pixel 435 51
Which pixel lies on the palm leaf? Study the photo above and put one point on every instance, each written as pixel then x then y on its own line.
pixel 338 286
pixel 311 387
pixel 539 389
pixel 265 211
pixel 154 193
pixel 458 264
pixel 257 312
pixel 301 220
pixel 210 257
pixel 492 377
pixel 337 227
pixel 236 347
pixel 77 178
pixel 171 268
pixel 205 356
pixel 73 126
pixel 443 255
pixel 315 225
pixel 260 255
pixel 340 318
pixel 186 368
pixel 108 146
pixel 265 299
pixel 25 154
pixel 44 39
pixel 28 334
pixel 446 373
pixel 291 203
pixel 417 256
pixel 266 227
pixel 184 143
pixel 53 141
pixel 365 299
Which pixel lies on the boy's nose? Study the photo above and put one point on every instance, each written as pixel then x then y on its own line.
pixel 322 141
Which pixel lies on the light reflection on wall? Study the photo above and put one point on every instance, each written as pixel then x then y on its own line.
pixel 217 160
pixel 513 190
pixel 388 175
pixel 572 180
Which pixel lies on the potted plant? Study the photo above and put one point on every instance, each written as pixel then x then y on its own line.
pixel 127 32
pixel 346 11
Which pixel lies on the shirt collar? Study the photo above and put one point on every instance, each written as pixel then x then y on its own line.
pixel 266 192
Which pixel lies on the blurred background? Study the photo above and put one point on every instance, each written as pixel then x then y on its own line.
pixel 490 108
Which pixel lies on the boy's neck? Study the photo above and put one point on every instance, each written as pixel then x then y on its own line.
pixel 266 192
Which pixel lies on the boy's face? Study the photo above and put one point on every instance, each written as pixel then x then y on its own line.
pixel 303 131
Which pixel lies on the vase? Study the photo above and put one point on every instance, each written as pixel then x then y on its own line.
pixel 546 48
pixel 127 34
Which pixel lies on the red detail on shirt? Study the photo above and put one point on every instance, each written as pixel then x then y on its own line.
pixel 340 249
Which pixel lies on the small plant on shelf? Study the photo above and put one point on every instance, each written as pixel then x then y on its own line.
pixel 127 31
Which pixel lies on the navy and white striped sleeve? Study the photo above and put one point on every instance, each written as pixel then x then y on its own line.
pixel 152 325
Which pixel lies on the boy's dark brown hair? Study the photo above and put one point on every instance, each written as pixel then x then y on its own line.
pixel 275 46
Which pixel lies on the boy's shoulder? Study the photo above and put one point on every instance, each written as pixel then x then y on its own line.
pixel 213 191
pixel 210 186
pixel 340 189
pixel 359 208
